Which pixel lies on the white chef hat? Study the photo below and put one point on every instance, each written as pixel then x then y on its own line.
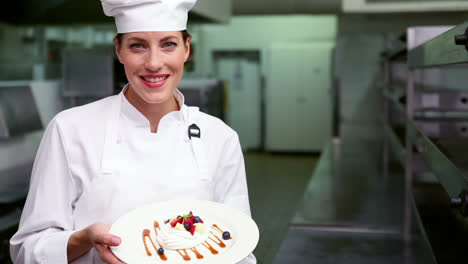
pixel 148 15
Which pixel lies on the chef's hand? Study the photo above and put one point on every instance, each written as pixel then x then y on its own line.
pixel 96 235
pixel 101 239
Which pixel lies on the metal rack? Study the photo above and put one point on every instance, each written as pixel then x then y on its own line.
pixel 426 128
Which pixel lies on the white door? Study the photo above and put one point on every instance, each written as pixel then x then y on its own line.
pixel 243 114
pixel 298 96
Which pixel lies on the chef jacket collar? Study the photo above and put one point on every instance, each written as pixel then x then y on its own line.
pixel 136 118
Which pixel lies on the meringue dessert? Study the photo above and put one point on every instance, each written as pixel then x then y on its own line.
pixel 183 232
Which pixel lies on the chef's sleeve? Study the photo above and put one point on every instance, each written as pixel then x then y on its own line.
pixel 231 183
pixel 46 221
pixel 231 186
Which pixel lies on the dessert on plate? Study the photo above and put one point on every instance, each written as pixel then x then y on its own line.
pixel 184 232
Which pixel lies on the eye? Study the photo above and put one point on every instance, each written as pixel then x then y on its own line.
pixel 170 44
pixel 136 46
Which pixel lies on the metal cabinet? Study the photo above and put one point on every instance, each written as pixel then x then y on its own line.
pixel 298 97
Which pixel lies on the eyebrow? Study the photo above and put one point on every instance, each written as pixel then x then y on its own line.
pixel 136 39
pixel 168 38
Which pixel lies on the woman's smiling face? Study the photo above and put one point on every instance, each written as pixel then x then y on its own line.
pixel 154 63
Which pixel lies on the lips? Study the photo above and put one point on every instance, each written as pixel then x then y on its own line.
pixel 154 81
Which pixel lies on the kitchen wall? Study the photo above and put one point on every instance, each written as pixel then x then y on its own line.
pixel 245 36
pixel 258 32
pixel 16 53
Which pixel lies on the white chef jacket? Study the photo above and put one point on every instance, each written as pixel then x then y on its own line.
pixel 99 161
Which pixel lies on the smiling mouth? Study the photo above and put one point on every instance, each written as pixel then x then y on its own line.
pixel 155 80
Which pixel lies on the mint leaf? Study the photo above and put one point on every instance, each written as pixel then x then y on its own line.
pixel 187 216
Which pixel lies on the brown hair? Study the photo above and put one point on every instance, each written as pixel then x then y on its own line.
pixel 185 36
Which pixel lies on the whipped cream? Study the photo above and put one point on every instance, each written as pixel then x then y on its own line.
pixel 170 238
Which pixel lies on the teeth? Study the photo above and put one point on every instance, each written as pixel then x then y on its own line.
pixel 155 79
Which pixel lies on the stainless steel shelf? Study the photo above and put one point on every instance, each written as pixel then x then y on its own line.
pixel 430 134
pixel 443 228
pixel 420 221
pixel 395 99
pixel 440 100
pixel 395 145
pixel 398 53
pixel 440 50
pixel 443 127
pixel 449 174
pixel 435 114
pixel 396 50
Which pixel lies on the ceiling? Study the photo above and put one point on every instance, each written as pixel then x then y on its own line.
pixel 65 12
pixel 251 7
pixel 89 11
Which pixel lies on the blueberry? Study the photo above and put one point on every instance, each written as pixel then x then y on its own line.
pixel 226 235
pixel 179 216
pixel 160 251
pixel 187 226
pixel 196 219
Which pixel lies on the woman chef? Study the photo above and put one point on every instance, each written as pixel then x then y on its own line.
pixel 101 160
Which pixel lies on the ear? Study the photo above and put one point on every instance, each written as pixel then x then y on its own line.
pixel 187 49
pixel 117 50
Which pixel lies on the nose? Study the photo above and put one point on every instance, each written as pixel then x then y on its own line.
pixel 154 61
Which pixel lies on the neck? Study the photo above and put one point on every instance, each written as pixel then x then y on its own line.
pixel 153 112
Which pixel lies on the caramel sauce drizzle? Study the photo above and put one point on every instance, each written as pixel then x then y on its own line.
pixel 218 240
pixel 185 255
pixel 146 233
pixel 199 256
pixel 156 226
pixel 208 246
pixel 218 229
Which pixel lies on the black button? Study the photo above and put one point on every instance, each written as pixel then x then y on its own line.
pixel 194 131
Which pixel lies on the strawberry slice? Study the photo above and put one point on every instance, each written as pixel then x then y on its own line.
pixel 180 220
pixel 174 222
pixel 192 229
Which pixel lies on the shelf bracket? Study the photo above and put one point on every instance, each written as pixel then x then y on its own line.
pixel 462 39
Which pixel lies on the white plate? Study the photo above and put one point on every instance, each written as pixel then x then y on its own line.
pixel 129 227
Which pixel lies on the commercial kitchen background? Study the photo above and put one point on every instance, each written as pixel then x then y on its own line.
pixel 300 81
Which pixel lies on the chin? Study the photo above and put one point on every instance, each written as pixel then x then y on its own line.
pixel 157 99
pixel 152 95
